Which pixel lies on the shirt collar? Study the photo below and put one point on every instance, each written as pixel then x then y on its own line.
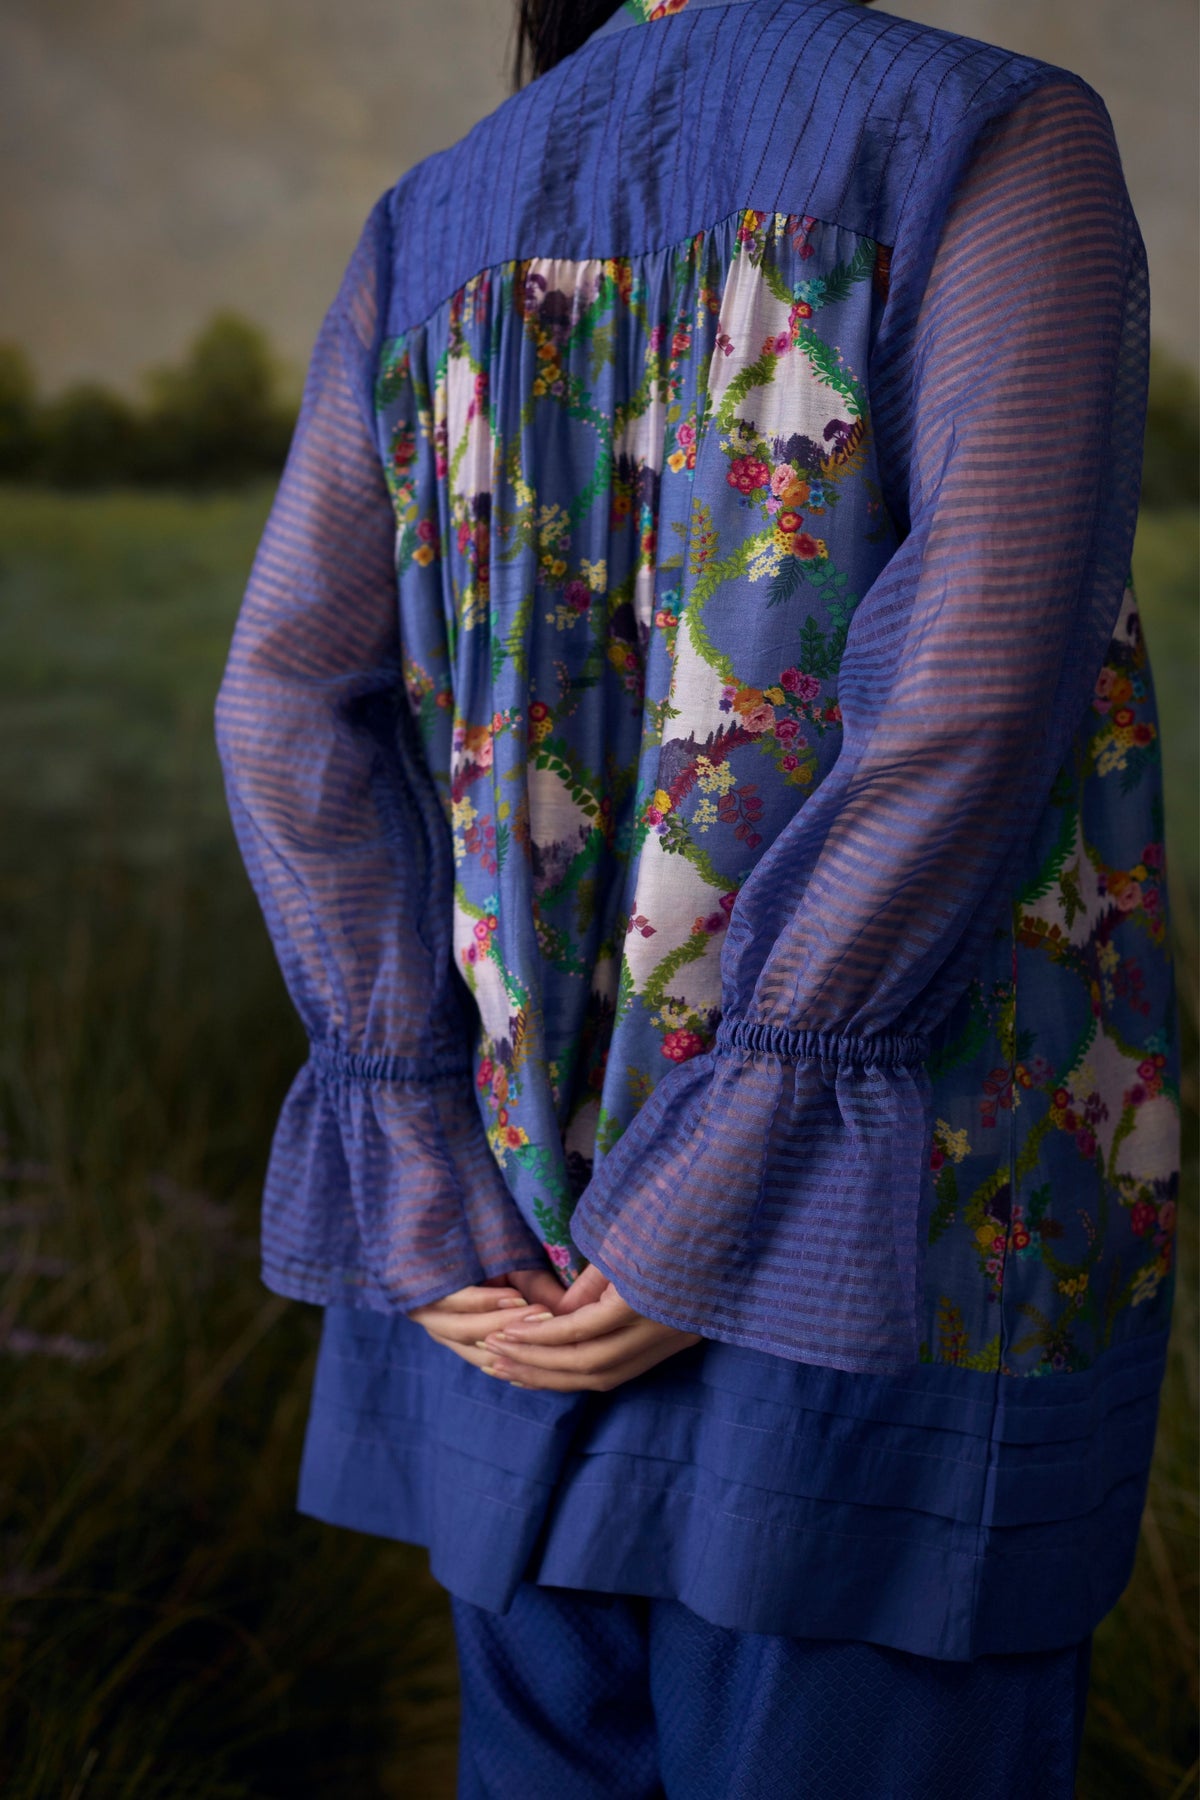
pixel 645 12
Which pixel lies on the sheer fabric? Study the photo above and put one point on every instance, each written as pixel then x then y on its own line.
pixel 774 1189
pixel 381 1183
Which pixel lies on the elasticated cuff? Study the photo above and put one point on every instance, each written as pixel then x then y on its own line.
pixel 772 1193
pixel 381 1190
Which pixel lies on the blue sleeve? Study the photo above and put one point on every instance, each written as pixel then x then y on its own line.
pixel 773 1192
pixel 381 1189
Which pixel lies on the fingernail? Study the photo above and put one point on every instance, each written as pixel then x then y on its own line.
pixel 492 1339
pixel 533 1318
pixel 500 1303
pixel 520 1384
pixel 489 1368
pixel 481 1344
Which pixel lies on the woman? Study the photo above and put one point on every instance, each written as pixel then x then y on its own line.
pixel 690 733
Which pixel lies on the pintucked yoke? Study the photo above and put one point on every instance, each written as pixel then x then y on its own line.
pixel 690 731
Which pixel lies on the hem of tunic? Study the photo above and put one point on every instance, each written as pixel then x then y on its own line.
pixel 946 1512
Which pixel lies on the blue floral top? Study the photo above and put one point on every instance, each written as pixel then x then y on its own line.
pixel 690 731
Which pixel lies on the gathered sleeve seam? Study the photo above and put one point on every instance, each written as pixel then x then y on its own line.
pixel 888 1049
pixel 333 1062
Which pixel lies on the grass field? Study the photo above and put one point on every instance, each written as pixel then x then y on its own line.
pixel 169 1627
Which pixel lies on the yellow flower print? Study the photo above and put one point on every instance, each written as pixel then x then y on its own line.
pixel 423 554
pixel 714 778
pixel 953 1144
pixel 676 461
pixel 662 800
pixel 765 559
pixel 775 695
pixel 595 574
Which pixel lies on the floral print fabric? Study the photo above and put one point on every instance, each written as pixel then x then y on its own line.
pixel 613 761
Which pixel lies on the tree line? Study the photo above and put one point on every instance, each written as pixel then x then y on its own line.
pixel 222 417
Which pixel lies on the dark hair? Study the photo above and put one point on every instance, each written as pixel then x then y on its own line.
pixel 548 30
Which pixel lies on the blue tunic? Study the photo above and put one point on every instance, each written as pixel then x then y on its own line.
pixel 690 732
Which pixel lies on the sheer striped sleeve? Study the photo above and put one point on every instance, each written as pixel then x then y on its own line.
pixel 381 1189
pixel 773 1192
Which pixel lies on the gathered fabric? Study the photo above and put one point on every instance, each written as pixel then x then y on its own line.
pixel 691 734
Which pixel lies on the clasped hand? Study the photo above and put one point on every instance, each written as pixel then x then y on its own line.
pixel 525 1328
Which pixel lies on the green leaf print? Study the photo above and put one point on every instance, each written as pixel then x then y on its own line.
pixel 840 280
pixel 691 950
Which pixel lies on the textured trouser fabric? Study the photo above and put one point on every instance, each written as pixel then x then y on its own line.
pixel 572 1695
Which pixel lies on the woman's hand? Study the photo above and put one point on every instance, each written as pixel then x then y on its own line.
pixel 459 1320
pixel 525 1328
pixel 594 1340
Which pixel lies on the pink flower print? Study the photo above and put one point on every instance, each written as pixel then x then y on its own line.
pixel 726 901
pixel 578 596
pixel 748 474
pixel 639 922
pixel 790 762
pixel 715 921
pixel 761 718
pixel 805 687
pixel 680 1045
pixel 786 730
pixel 559 1255
pixel 686 435
pixel 484 1077
pixel 1143 1217
pixel 724 343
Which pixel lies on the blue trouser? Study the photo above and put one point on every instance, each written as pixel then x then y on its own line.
pixel 580 1696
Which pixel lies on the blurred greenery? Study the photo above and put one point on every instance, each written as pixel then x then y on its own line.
pixel 224 415
pixel 169 1626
